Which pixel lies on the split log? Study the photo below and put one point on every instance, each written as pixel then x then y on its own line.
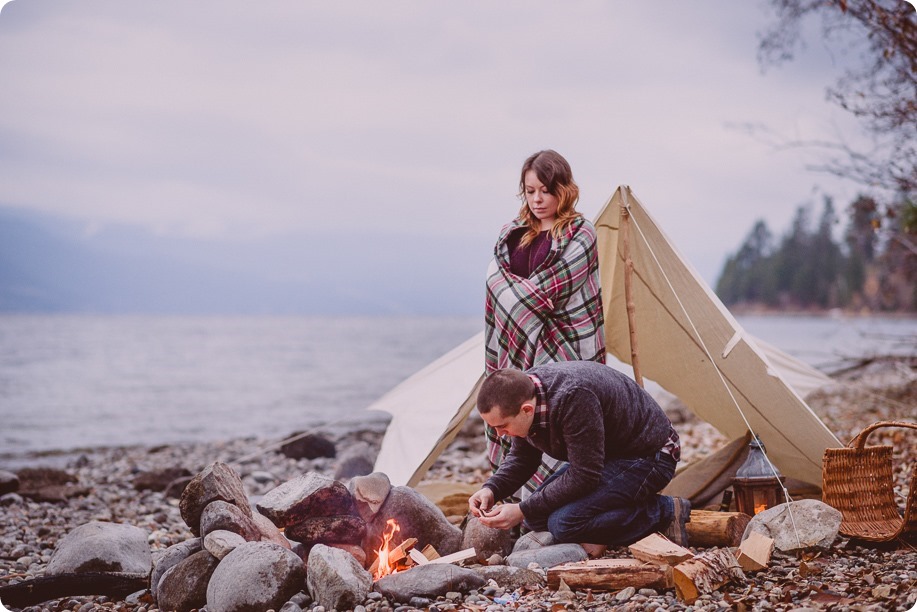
pixel 418 557
pixel 456 556
pixel 658 549
pixel 45 588
pixel 610 575
pixel 755 552
pixel 711 529
pixel 429 552
pixel 706 573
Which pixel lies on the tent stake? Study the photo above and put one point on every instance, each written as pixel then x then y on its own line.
pixel 628 289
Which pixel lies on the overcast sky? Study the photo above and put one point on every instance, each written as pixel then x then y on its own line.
pixel 228 120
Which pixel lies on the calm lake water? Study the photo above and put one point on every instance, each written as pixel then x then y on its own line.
pixel 71 381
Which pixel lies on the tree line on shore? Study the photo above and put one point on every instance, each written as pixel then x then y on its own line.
pixel 871 268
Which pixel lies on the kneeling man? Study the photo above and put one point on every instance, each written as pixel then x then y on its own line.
pixel 620 447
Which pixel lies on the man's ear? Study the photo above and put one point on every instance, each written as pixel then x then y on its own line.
pixel 528 406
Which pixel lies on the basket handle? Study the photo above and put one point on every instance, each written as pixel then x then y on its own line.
pixel 860 439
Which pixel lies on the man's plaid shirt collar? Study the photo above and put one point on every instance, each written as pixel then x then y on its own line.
pixel 540 420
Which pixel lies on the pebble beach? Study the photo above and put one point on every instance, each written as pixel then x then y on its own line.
pixel 851 575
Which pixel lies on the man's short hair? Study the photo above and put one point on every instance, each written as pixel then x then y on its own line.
pixel 508 389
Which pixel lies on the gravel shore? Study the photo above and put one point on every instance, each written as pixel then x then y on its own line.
pixel 850 575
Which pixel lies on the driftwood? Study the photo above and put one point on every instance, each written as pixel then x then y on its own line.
pixel 45 588
pixel 611 574
pixel 755 552
pixel 711 529
pixel 658 549
pixel 706 573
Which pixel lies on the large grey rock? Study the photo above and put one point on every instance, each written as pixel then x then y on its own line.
pixel 172 556
pixel 511 578
pixel 215 482
pixel 309 446
pixel 356 460
pixel 485 540
pixel 417 517
pixel 9 482
pixel 534 539
pixel 159 480
pixel 813 524
pixel 102 547
pixel 220 543
pixel 184 586
pixel 429 581
pixel 221 515
pixel 335 580
pixel 309 495
pixel 369 493
pixel 254 577
pixel 347 529
pixel 548 556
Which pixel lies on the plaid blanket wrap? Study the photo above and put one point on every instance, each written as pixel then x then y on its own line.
pixel 556 315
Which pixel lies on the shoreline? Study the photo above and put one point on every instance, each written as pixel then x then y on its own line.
pixel 29 530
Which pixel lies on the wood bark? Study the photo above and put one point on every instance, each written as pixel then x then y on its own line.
pixel 705 573
pixel 709 528
pixel 45 588
pixel 610 575
pixel 658 549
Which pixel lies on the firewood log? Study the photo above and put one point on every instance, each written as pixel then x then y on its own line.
pixel 45 588
pixel 658 549
pixel 610 574
pixel 710 529
pixel 755 552
pixel 706 573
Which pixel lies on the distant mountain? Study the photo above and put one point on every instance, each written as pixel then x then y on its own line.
pixel 51 264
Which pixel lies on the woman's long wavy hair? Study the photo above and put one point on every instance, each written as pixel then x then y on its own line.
pixel 554 173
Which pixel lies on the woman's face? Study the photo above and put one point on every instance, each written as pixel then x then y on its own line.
pixel 542 204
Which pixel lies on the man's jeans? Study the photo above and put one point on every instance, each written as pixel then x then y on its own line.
pixel 624 508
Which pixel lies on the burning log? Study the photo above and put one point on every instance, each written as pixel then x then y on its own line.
pixel 611 574
pixel 708 528
pixel 394 556
pixel 706 573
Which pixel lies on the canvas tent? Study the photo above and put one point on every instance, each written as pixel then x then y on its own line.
pixel 688 342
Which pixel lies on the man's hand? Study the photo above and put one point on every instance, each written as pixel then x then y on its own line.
pixel 505 516
pixel 481 502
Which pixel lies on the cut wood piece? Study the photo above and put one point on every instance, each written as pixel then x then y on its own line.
pixel 706 573
pixel 429 552
pixel 395 555
pixel 610 575
pixel 709 529
pixel 755 552
pixel 456 556
pixel 418 557
pixel 658 549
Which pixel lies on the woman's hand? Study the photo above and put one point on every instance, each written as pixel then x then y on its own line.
pixel 504 516
pixel 482 501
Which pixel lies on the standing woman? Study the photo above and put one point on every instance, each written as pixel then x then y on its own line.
pixel 543 299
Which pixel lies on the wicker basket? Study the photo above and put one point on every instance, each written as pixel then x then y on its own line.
pixel 858 481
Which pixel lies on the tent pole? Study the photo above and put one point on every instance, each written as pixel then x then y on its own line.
pixel 628 289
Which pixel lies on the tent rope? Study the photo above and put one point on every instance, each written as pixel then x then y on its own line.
pixel 715 366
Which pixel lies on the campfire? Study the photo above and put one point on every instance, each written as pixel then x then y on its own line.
pixel 404 556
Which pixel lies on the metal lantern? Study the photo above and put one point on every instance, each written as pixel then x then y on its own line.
pixel 755 485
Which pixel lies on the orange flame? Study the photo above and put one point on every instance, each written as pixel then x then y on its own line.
pixel 383 568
